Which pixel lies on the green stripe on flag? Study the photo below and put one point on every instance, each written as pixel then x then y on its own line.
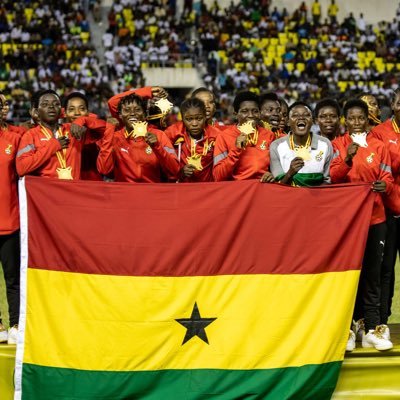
pixel 316 382
pixel 304 179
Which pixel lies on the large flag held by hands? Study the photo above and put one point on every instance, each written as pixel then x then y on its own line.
pixel 233 290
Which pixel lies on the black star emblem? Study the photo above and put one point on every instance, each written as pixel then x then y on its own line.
pixel 195 325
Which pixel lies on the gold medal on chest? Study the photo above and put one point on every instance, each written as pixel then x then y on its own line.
pixel 148 150
pixel 65 173
pixel 139 129
pixel 303 153
pixel 8 150
pixel 247 128
pixel 195 160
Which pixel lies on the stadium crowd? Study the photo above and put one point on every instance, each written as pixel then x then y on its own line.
pixel 313 141
pixel 47 46
pixel 301 56
pixel 306 55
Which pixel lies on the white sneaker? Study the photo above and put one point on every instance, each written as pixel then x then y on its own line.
pixel 12 335
pixel 374 338
pixel 359 329
pixel 351 341
pixel 384 329
pixel 3 334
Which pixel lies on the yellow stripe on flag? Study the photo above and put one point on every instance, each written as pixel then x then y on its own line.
pixel 116 323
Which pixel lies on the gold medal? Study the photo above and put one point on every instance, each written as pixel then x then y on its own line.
pixel 139 129
pixel 65 173
pixel 360 139
pixel 247 128
pixel 303 153
pixel 164 105
pixel 195 160
pixel 148 150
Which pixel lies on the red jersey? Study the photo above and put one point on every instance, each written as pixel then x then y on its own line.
pixel 232 163
pixel 133 160
pixel 370 164
pixel 9 216
pixel 40 152
pixel 389 133
pixel 90 151
pixel 185 147
pixel 18 129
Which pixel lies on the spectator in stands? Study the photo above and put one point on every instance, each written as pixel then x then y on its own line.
pixel 361 157
pixel 333 10
pixel 9 226
pixel 316 12
pixel 301 158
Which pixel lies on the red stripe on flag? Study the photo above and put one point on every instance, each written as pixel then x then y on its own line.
pixel 195 229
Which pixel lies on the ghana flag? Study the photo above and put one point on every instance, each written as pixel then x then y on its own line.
pixel 232 290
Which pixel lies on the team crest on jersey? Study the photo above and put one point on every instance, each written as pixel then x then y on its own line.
pixel 8 149
pixel 370 158
pixel 263 146
pixel 148 150
pixel 319 156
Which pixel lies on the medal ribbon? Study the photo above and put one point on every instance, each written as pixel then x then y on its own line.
pixel 252 139
pixel 193 144
pixel 395 126
pixel 128 135
pixel 61 155
pixel 277 133
pixel 294 147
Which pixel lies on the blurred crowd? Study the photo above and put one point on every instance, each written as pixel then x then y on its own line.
pixel 47 45
pixel 306 55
